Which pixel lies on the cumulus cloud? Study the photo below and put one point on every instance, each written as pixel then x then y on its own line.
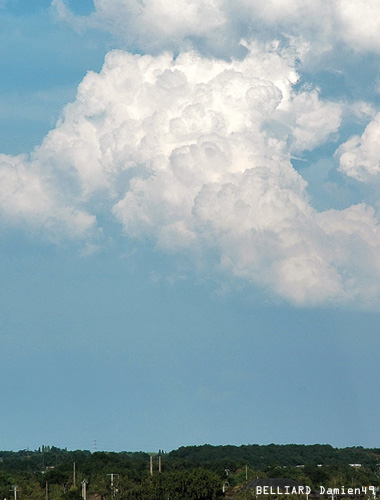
pixel 359 157
pixel 217 26
pixel 27 196
pixel 195 153
pixel 359 23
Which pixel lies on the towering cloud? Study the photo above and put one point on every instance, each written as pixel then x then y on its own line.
pixel 195 153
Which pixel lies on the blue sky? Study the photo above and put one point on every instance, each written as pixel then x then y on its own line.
pixel 189 213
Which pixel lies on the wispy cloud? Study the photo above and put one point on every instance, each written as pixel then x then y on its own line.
pixel 217 26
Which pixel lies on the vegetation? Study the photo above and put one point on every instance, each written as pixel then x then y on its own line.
pixel 189 473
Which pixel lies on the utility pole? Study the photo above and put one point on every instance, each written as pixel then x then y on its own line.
pixel 151 465
pixel 246 472
pixel 46 491
pixel 159 464
pixel 112 476
pixel 84 489
pixel 74 475
pixel 15 490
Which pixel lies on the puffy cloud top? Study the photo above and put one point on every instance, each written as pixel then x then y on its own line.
pixel 195 153
pixel 360 156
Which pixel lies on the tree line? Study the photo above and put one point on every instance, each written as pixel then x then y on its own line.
pixel 188 473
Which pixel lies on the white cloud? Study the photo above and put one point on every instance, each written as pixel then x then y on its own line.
pixel 313 121
pixel 195 153
pixel 153 25
pixel 355 233
pixel 217 26
pixel 27 196
pixel 359 23
pixel 359 157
